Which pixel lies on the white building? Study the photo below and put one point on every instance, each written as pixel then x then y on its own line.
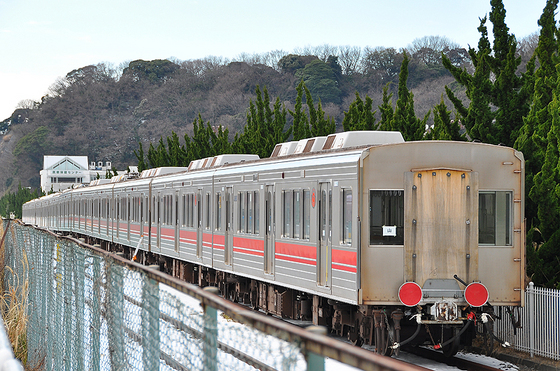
pixel 63 172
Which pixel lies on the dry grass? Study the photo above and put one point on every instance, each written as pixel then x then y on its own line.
pixel 14 311
pixel 13 305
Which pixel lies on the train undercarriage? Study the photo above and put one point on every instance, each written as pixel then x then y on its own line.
pixel 387 329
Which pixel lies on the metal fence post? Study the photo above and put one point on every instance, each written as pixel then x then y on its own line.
pixel 79 275
pixel 531 310
pixel 150 324
pixel 96 313
pixel 114 308
pixel 316 362
pixel 68 304
pixel 51 266
pixel 210 338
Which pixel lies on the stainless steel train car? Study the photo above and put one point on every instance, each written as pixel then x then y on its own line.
pixel 383 241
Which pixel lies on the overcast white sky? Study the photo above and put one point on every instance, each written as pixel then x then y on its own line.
pixel 42 40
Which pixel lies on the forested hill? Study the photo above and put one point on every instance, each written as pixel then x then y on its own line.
pixel 104 112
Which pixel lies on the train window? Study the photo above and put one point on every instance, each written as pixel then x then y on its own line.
pixel 145 210
pixel 188 210
pixel 347 216
pixel 287 201
pixel 494 218
pixel 153 210
pixel 207 211
pixel 297 214
pixel 386 217
pixel 164 208
pixel 190 207
pixel 306 214
pixel 184 210
pixel 248 212
pixel 218 211
pixel 256 212
pixel 242 212
pixel 132 209
pixel 250 219
pixel 138 212
pixel 169 205
pixel 167 210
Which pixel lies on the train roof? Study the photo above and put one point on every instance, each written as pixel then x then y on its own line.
pixel 334 149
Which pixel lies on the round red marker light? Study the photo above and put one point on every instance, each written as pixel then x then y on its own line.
pixel 476 294
pixel 410 294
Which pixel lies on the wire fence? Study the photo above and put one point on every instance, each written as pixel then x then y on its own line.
pixel 88 309
pixel 539 321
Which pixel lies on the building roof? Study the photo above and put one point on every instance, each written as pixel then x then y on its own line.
pixel 65 162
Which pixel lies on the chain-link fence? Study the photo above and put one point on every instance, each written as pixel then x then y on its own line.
pixel 91 310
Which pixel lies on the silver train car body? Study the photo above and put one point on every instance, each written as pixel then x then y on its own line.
pixel 360 235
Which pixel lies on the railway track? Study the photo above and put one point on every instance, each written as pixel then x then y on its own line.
pixel 457 361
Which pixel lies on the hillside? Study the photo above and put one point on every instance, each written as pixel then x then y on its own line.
pixel 104 113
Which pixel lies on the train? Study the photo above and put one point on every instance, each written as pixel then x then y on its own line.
pixel 385 242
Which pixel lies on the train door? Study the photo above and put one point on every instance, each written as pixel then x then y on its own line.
pixel 325 226
pixel 198 204
pixel 141 214
pixel 99 217
pixel 106 215
pixel 228 243
pixel 118 215
pixel 157 209
pixel 176 218
pixel 269 230
pixel 128 215
pixel 440 213
pixel 79 214
pixel 92 214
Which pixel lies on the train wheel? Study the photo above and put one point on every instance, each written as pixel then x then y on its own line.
pixel 381 333
pixel 354 335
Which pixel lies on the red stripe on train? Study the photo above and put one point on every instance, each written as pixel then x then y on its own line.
pixel 344 257
pixel 248 246
pixel 296 250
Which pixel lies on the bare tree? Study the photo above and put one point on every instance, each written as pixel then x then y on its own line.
pixel 323 52
pixel 437 43
pixel 382 63
pixel 349 58
pixel 274 56
pixel 212 62
pixel 306 50
pixel 58 88
pixel 526 48
pixel 27 104
pixel 428 49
